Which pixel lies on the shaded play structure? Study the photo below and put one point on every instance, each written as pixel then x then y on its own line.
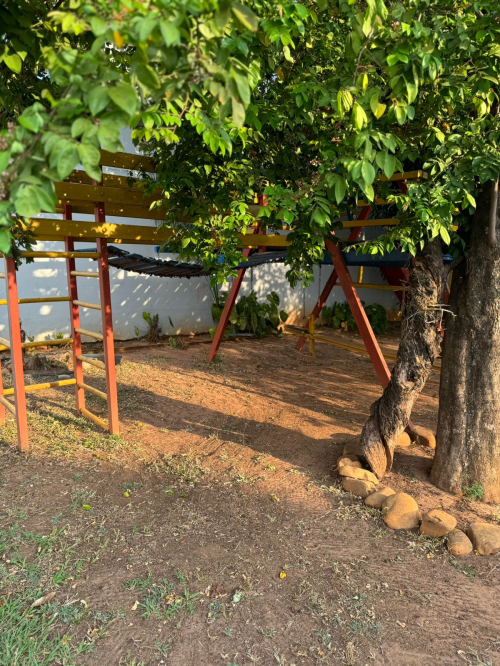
pixel 117 198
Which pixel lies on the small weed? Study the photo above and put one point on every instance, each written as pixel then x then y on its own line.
pixel 215 611
pixel 181 577
pixel 138 583
pixel 268 633
pixel 472 492
pixel 163 648
pixel 131 485
pixel 228 631
pixel 468 570
pixel 77 477
pixel 81 497
pixel 17 513
pixel 324 637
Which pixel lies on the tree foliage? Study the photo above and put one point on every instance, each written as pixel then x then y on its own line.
pixel 310 102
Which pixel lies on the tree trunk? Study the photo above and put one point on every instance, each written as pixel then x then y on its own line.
pixel 468 434
pixel 418 350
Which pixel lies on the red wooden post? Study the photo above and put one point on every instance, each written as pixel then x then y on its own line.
pixel 107 327
pixel 330 284
pixel 74 313
pixel 359 314
pixel 16 354
pixel 228 307
pixel 226 312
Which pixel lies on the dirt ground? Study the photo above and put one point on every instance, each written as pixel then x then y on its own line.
pixel 213 531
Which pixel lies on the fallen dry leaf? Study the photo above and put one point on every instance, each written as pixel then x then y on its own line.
pixel 43 600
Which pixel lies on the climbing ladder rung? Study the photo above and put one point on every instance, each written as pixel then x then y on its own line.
pixel 94 418
pixel 91 306
pixel 91 389
pixel 90 334
pixel 91 361
pixel 8 405
pixel 5 343
pixel 2 275
pixel 53 299
pixel 62 255
pixel 31 388
pixel 84 274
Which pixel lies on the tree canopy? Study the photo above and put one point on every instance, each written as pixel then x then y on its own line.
pixel 309 102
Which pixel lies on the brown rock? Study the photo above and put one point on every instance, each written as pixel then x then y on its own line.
pixel 357 487
pixel 352 461
pixel 357 473
pixel 459 543
pixel 353 448
pixel 380 495
pixel 425 437
pixel 437 523
pixel 400 512
pixel 403 441
pixel 485 538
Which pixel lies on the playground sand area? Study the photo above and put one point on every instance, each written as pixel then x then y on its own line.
pixel 214 530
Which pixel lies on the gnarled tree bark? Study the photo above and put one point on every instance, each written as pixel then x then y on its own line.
pixel 418 349
pixel 468 434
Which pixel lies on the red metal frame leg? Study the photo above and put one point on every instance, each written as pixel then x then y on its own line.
pixel 330 284
pixel 107 326
pixel 74 313
pixel 359 314
pixel 16 352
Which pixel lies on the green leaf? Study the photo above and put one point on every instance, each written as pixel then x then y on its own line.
pixel 389 165
pixel 79 126
pixel 32 199
pixel 13 62
pixel 5 241
pixel 90 158
pixel 67 161
pixel 380 110
pixel 368 172
pixel 359 116
pixel 400 114
pixel 246 16
pixel 170 33
pixel 98 99
pixel 98 25
pixel 4 160
pixel 238 113
pixel 443 232
pixel 124 97
pixel 340 189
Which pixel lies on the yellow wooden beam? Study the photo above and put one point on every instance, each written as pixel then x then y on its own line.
pixel 117 210
pixel 30 388
pixel 127 161
pixel 407 175
pixel 108 180
pixel 69 192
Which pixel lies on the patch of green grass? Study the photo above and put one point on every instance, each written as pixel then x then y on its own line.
pixel 31 637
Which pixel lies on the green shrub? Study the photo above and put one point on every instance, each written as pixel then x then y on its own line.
pixel 251 316
pixel 340 316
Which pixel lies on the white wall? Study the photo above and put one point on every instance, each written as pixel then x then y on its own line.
pixel 186 302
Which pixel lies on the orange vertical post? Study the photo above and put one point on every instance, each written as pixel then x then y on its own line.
pixel 74 313
pixel 16 353
pixel 107 326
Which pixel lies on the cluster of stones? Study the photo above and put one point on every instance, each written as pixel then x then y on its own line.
pixel 401 512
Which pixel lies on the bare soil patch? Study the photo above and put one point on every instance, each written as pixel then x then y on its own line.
pixel 213 531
